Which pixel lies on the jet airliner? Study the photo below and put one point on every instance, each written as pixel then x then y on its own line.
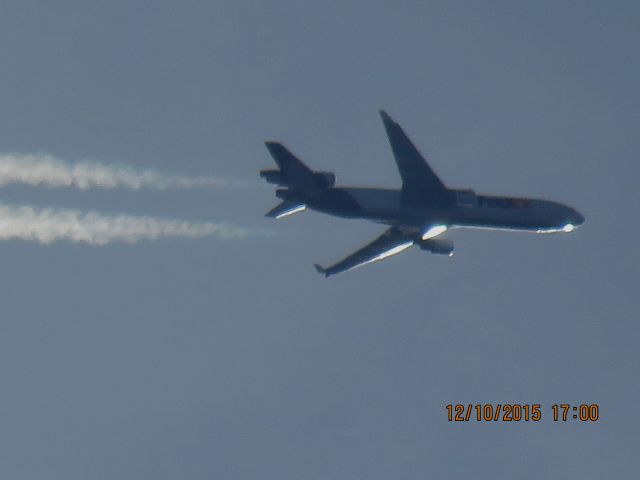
pixel 417 214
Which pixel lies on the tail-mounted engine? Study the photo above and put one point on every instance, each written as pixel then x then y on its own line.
pixel 273 176
pixel 438 246
pixel 319 179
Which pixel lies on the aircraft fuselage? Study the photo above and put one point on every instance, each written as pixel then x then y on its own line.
pixel 461 208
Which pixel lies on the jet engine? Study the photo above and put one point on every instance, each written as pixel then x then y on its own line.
pixel 320 179
pixel 324 179
pixel 273 176
pixel 438 246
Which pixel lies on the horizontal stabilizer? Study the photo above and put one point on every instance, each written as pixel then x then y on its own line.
pixel 285 209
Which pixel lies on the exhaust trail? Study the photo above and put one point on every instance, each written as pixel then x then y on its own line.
pixel 44 169
pixel 48 225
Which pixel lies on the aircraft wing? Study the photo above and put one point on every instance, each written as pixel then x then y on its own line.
pixel 418 179
pixel 393 241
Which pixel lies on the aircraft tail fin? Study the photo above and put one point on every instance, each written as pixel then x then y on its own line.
pixel 293 173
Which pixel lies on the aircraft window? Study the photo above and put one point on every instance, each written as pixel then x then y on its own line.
pixel 520 203
pixel 466 197
pixel 504 202
pixel 497 202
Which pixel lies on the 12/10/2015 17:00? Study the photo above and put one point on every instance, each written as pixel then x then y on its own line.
pixel 515 412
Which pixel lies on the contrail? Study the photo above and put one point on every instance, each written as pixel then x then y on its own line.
pixel 49 224
pixel 44 169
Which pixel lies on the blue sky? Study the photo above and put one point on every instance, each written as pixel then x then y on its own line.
pixel 201 358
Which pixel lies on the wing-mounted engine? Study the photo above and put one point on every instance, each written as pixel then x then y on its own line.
pixel 324 179
pixel 437 246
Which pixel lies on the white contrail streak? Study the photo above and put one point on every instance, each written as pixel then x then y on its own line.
pixel 48 225
pixel 44 169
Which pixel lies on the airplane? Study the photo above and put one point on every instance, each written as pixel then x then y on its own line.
pixel 417 214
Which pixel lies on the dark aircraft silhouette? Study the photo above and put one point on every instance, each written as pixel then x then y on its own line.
pixel 418 214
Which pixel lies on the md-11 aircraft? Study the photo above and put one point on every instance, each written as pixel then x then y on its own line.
pixel 417 214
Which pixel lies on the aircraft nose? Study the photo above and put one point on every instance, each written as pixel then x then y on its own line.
pixel 578 218
pixel 574 219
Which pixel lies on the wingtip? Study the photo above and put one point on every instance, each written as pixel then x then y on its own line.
pixel 385 116
pixel 321 270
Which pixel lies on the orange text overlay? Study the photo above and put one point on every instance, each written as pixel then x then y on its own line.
pixel 522 412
